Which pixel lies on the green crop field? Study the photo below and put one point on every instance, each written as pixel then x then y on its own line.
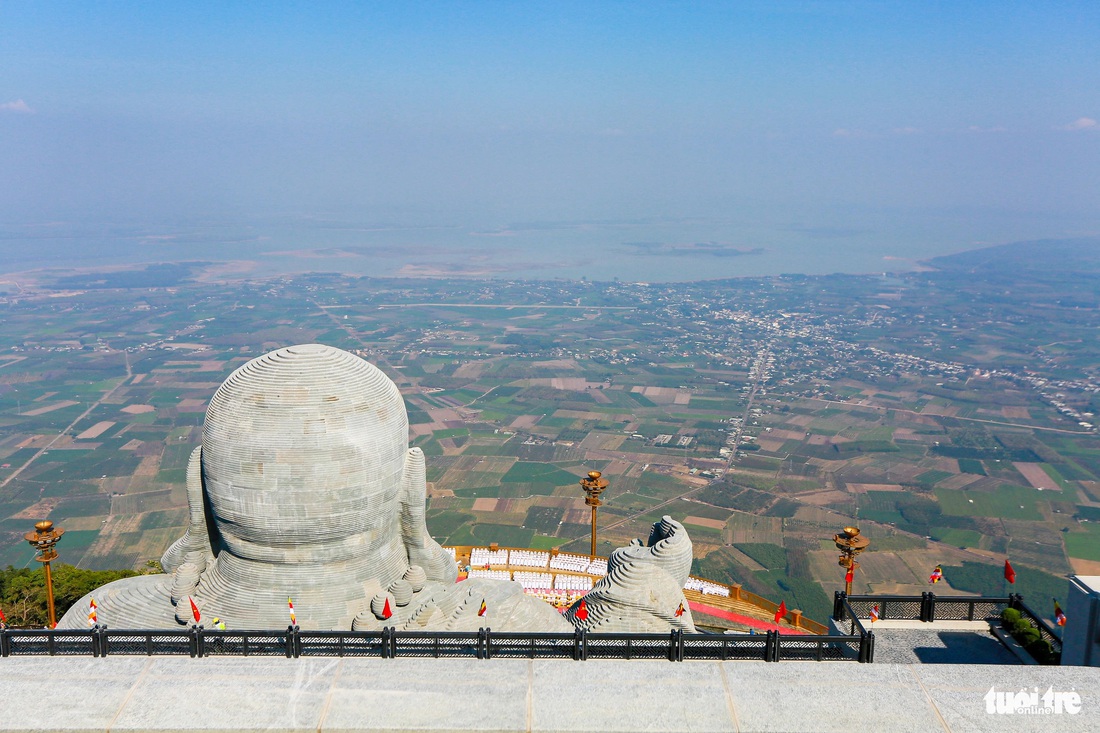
pixel 1007 502
pixel 1084 545
pixel 541 472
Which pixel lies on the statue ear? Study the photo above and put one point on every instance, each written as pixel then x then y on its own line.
pixel 414 481
pixel 197 536
pixel 421 549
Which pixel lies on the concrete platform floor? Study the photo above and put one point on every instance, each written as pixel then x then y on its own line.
pixel 936 644
pixel 330 694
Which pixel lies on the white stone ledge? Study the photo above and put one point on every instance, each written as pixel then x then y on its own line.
pixel 606 696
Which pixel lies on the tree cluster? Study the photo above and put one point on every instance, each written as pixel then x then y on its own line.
pixel 23 591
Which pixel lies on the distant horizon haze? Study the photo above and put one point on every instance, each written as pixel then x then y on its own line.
pixel 549 138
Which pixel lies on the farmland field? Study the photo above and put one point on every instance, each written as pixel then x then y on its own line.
pixel 765 414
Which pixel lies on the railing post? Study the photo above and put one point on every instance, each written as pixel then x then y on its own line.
pixel 770 644
pixel 200 638
pixel 5 643
pixel 51 644
pixel 867 648
pixel 838 605
pixel 104 641
pixel 679 645
pixel 98 641
pixel 584 645
pixel 483 639
pixel 385 642
pixel 928 606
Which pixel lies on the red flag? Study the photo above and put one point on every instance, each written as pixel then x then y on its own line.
pixel 781 611
pixel 582 611
pixel 194 609
pixel 936 576
pixel 1059 616
pixel 849 576
pixel 386 612
pixel 680 609
pixel 1010 574
pixel 3 618
pixel 482 611
pixel 92 617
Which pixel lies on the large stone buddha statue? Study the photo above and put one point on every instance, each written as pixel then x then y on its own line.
pixel 305 487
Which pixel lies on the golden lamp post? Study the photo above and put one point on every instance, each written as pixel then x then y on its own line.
pixel 850 544
pixel 43 539
pixel 593 486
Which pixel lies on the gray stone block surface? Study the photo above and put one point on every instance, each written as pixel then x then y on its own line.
pixel 160 694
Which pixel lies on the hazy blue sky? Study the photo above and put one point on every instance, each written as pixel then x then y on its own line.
pixel 817 116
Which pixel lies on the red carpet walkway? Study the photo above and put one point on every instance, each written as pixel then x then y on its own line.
pixel 743 620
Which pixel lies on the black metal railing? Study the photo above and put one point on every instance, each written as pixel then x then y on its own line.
pixel 925 607
pixel 390 643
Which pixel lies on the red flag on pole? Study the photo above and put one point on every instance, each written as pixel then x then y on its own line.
pixel 483 610
pixel 781 611
pixel 293 618
pixel 1010 574
pixel 849 576
pixel 194 609
pixel 93 619
pixel 1059 616
pixel 680 609
pixel 582 611
pixel 386 612
pixel 3 618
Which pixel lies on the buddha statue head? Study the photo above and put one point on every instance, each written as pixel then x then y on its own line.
pixel 304 478
pixel 304 447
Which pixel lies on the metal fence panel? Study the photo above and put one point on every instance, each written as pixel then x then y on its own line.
pixel 532 646
pixel 968 609
pixel 725 646
pixel 629 646
pixel 888 608
pixel 244 644
pixel 52 642
pixel 443 644
pixel 340 644
pixel 819 648
pixel 147 642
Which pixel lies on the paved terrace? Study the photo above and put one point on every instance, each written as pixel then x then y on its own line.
pixel 603 696
pixel 939 642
